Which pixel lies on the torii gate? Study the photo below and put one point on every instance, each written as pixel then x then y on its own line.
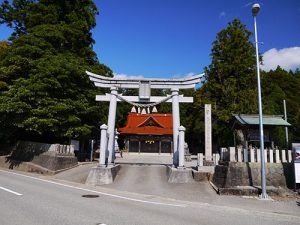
pixel 144 100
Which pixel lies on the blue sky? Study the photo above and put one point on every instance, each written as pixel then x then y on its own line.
pixel 173 38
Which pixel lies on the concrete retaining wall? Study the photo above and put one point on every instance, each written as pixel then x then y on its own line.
pixel 44 157
pixel 233 174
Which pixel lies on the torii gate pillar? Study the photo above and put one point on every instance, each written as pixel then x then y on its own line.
pixel 176 124
pixel 111 125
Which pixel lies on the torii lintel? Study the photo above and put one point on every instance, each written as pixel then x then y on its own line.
pixel 156 83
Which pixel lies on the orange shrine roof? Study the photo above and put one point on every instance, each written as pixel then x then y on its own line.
pixel 155 124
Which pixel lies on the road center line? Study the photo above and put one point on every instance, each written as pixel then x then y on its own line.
pixel 97 192
pixel 10 191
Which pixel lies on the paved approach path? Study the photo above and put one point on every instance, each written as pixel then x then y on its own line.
pixel 152 180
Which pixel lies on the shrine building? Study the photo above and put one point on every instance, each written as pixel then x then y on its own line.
pixel 148 133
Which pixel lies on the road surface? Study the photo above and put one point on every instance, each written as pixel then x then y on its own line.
pixel 32 199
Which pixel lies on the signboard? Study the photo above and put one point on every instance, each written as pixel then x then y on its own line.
pixel 296 151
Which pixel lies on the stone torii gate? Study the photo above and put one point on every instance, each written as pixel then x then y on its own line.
pixel 144 100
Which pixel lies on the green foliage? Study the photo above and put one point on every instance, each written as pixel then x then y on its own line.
pixel 278 85
pixel 45 93
pixel 230 85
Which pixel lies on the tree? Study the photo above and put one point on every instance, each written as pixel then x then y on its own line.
pixel 49 97
pixel 279 85
pixel 230 84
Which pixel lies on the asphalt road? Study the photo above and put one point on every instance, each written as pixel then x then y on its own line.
pixel 29 200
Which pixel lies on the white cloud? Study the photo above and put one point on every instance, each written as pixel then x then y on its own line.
pixel 180 76
pixel 126 76
pixel 222 14
pixel 176 76
pixel 286 58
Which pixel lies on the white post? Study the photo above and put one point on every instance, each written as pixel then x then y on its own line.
pixel 208 139
pixel 271 152
pixel 111 124
pixel 103 145
pixel 283 156
pixel 116 145
pixel 232 154
pixel 214 158
pixel 176 124
pixel 252 155
pixel 277 155
pixel 217 159
pixel 181 130
pixel 245 153
pixel 289 156
pixel 266 155
pixel 200 159
pixel 258 154
pixel 72 149
pixel 239 154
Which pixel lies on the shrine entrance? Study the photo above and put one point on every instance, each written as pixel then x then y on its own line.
pixel 143 104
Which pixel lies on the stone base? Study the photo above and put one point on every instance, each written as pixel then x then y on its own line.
pixel 43 163
pixel 244 178
pixel 254 191
pixel 102 175
pixel 208 163
pixel 179 175
pixel 203 173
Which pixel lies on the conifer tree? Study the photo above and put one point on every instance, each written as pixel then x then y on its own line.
pixel 230 84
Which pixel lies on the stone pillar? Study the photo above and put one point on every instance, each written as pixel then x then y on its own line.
pixel 176 124
pixel 208 139
pixel 277 157
pixel 271 152
pixel 232 154
pixel 224 154
pixel 266 155
pixel 258 155
pixel 252 155
pixel 72 149
pixel 245 154
pixel 103 145
pixel 283 156
pixel 181 142
pixel 116 145
pixel 111 124
pixel 217 158
pixel 289 156
pixel 239 154
pixel 200 159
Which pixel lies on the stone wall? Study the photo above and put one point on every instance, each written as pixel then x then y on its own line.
pixel 53 157
pixel 233 174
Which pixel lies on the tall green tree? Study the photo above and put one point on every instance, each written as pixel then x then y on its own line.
pixel 48 96
pixel 230 82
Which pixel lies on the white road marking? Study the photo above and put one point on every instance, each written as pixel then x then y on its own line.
pixel 10 191
pixel 97 192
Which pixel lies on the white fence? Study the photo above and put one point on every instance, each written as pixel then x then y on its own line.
pixel 233 154
pixel 239 154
